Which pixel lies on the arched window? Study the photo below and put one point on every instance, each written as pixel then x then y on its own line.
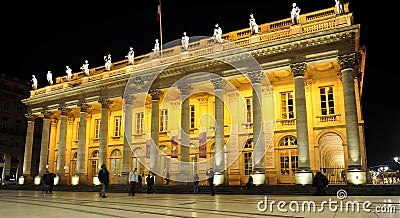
pixel 288 155
pixel 116 163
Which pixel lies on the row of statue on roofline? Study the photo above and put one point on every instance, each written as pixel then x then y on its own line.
pixel 217 36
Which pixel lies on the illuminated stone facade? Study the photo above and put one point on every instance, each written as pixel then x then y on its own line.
pixel 287 104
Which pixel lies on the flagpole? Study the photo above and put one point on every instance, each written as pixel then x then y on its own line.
pixel 160 30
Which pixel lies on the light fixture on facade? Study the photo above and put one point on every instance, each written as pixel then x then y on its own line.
pixel 37 180
pixel 21 180
pixel 96 180
pixel 75 180
pixel 56 180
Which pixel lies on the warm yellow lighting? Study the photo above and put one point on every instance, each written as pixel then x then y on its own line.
pixel 304 178
pixel 258 178
pixel 21 180
pixel 218 179
pixel 56 180
pixel 75 180
pixel 356 177
pixel 37 180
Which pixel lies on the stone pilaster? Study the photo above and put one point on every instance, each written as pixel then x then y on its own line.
pixel 52 145
pixel 155 128
pixel 127 148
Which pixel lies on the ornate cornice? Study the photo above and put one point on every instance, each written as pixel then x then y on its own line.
pixel 298 69
pixel 218 82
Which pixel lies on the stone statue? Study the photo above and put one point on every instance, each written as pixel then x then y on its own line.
pixel 339 6
pixel 34 82
pixel 217 34
pixel 85 68
pixel 185 41
pixel 253 25
pixel 131 56
pixel 156 49
pixel 69 73
pixel 107 59
pixel 295 14
pixel 49 78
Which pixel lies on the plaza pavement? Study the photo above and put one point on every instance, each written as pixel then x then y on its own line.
pixel 32 203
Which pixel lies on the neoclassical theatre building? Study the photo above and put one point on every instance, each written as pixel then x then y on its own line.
pixel 279 104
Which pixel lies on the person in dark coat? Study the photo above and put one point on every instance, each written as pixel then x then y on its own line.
pixel 320 182
pixel 139 183
pixel 210 175
pixel 249 182
pixel 104 178
pixel 48 181
pixel 150 183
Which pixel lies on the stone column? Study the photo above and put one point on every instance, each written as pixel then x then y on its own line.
pixel 81 164
pixel 355 173
pixel 303 175
pixel 52 145
pixel 155 129
pixel 258 173
pixel 219 157
pixel 44 146
pixel 184 167
pixel 62 142
pixel 105 104
pixel 28 148
pixel 127 148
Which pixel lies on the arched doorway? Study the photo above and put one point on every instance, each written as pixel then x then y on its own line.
pixel 115 165
pixel 288 159
pixel 332 157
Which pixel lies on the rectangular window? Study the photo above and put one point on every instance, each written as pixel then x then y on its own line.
pixel 163 120
pixel 327 101
pixel 18 126
pixel 117 126
pixel 249 110
pixel 248 163
pixel 139 123
pixel 97 128
pixel 192 116
pixel 6 106
pixel 287 105
pixel 5 123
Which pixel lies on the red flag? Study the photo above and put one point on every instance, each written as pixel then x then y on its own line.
pixel 159 11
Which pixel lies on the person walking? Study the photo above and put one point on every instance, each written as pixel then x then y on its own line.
pixel 48 182
pixel 167 176
pixel 210 175
pixel 320 182
pixel 104 178
pixel 249 182
pixel 196 181
pixel 132 181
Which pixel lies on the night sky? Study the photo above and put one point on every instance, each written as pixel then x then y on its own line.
pixel 38 37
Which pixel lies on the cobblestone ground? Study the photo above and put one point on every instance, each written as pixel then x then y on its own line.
pixel 23 203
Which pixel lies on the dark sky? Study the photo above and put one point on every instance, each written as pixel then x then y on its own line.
pixel 41 37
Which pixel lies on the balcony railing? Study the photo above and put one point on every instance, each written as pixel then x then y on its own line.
pixel 286 122
pixel 329 118
pixel 321 20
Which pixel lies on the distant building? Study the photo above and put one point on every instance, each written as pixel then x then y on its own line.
pixel 278 105
pixel 12 126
